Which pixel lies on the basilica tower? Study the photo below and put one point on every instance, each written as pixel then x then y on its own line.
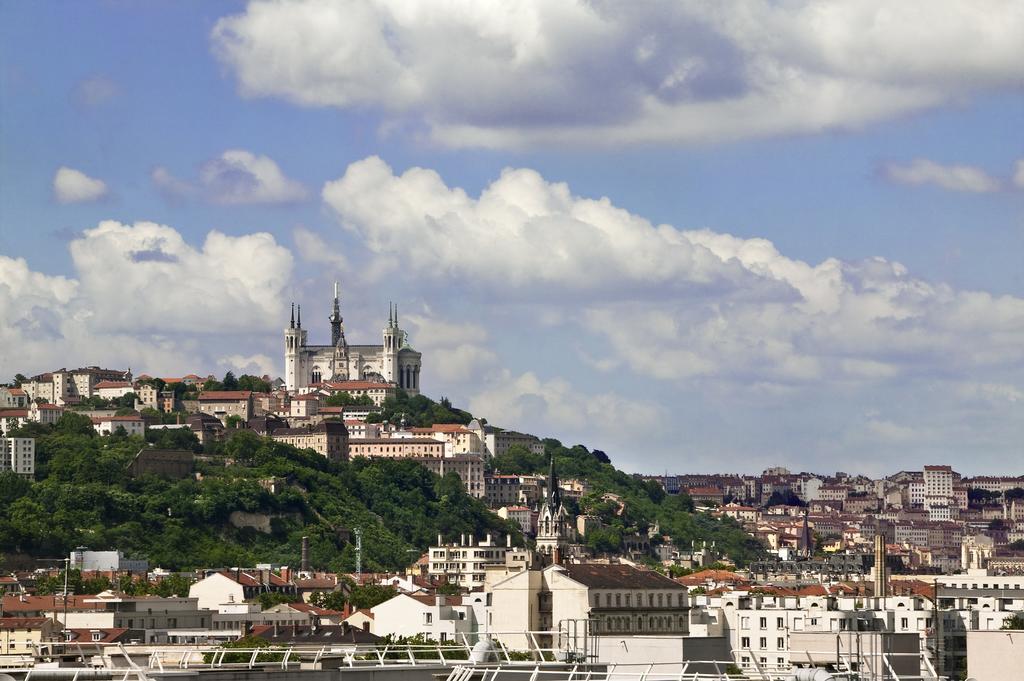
pixel 337 329
pixel 294 342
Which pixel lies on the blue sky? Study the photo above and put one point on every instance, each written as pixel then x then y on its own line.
pixel 867 312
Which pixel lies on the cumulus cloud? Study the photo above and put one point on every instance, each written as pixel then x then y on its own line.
pixel 230 284
pixel 141 296
pixel 500 74
pixel 521 232
pixel 74 186
pixel 958 178
pixel 239 176
pixel 556 406
pixel 170 186
pixel 254 365
pixel 236 176
pixel 675 304
pixel 313 248
pixel 458 352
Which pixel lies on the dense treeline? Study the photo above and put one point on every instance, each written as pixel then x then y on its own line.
pixel 643 503
pixel 83 495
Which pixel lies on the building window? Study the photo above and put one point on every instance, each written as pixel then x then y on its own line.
pixel 763 642
pixel 764 622
pixel 745 642
pixel 428 618
pixel 780 643
pixel 780 622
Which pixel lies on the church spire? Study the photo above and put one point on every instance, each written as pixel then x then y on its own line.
pixel 391 319
pixel 554 491
pixel 396 315
pixel 298 324
pixel 293 316
pixel 335 319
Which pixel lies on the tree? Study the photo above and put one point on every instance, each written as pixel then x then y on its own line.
pixel 173 585
pixel 18 380
pixel 329 600
pixel 268 599
pixel 979 497
pixel 1014 621
pixel 369 595
pixel 229 382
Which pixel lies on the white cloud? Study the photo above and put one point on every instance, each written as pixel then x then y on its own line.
pixel 313 248
pixel 143 297
pixel 674 304
pixel 74 186
pixel 1018 175
pixel 502 74
pixel 458 352
pixel 959 178
pixel 522 232
pixel 235 177
pixel 254 365
pixel 146 277
pixel 555 406
pixel 238 176
pixel 169 185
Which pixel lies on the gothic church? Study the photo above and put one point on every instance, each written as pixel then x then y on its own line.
pixel 392 361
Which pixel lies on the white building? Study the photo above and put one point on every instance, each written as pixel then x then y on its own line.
pixel 465 563
pixel 105 561
pixel 18 454
pixel 440 618
pixel 108 425
pixel 393 361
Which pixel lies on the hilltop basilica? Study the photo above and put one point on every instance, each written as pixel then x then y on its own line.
pixel 392 361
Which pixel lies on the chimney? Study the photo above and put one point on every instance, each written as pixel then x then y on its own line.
pixel 880 582
pixel 556 555
pixel 304 564
pixel 440 540
pixel 508 540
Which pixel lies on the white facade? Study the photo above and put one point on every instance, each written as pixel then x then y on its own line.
pixel 465 563
pixel 217 592
pixel 440 618
pixel 18 454
pixel 392 361
pixel 105 561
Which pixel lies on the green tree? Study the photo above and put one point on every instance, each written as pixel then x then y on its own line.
pixel 268 599
pixel 173 585
pixel 330 600
pixel 229 382
pixel 1014 621
pixel 369 595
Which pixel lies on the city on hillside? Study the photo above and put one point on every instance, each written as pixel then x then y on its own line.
pixel 762 568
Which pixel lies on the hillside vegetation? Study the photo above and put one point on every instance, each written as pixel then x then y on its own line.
pixel 83 496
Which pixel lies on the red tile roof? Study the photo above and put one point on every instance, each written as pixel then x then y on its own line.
pixel 224 395
pixel 22 622
pixel 112 384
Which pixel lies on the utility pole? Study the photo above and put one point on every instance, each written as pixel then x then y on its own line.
pixel 359 551
pixel 67 568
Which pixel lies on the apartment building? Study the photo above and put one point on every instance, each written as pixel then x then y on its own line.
pixel 465 562
pixel 18 455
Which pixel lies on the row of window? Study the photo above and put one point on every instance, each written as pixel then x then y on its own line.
pixel 663 600
pixel 762 643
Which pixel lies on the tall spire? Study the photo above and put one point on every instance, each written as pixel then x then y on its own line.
pixel 554 491
pixel 391 319
pixel 396 315
pixel 336 331
pixel 299 322
pixel 293 316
